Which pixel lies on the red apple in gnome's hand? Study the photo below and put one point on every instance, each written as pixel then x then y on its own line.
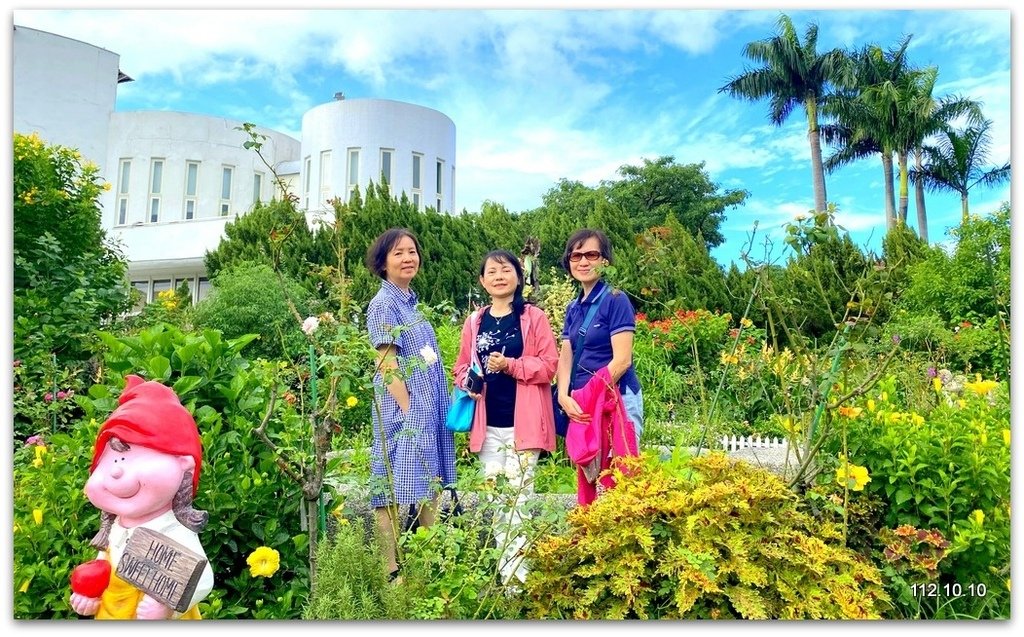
pixel 91 578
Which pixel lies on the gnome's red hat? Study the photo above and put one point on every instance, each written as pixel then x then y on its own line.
pixel 149 414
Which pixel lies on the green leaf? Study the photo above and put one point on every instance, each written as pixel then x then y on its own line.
pixel 186 384
pixel 159 368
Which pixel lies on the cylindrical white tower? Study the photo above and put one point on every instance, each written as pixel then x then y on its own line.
pixel 346 143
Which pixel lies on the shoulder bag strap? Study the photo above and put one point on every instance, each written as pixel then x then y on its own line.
pixel 577 351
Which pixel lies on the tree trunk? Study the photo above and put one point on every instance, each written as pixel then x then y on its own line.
pixel 817 168
pixel 963 208
pixel 922 214
pixel 890 192
pixel 901 157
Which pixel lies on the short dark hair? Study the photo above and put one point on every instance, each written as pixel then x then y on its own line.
pixel 504 256
pixel 377 253
pixel 577 239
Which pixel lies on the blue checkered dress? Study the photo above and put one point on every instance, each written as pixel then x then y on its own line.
pixel 420 449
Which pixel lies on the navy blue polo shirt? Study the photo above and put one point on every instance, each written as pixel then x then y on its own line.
pixel 614 314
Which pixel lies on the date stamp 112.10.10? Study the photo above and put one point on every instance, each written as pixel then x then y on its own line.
pixel 948 589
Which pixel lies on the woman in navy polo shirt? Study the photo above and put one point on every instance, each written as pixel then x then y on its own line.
pixel 608 341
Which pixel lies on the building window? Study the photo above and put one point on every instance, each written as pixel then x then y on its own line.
pixel 385 166
pixel 123 176
pixel 204 289
pixel 225 191
pixel 156 175
pixel 160 285
pixel 143 289
pixel 325 177
pixel 439 178
pixel 257 188
pixel 191 184
pixel 352 181
pixel 417 180
pixel 306 179
pixel 188 288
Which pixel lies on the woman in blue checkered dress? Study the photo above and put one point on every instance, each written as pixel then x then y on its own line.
pixel 413 452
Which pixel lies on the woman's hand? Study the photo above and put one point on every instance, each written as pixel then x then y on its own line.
pixel 572 409
pixel 496 362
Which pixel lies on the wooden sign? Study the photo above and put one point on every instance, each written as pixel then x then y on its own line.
pixel 162 568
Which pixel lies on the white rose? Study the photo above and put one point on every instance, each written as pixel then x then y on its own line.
pixel 428 354
pixel 310 324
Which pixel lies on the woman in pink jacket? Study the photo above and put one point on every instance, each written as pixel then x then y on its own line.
pixel 513 346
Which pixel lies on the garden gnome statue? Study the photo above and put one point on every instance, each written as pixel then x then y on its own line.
pixel 143 478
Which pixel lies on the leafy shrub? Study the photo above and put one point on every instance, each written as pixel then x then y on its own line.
pixel 948 470
pixel 67 280
pixel 351 583
pixel 705 538
pixel 45 396
pixel 249 299
pixel 49 479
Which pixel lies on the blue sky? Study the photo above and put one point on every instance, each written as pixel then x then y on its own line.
pixel 537 96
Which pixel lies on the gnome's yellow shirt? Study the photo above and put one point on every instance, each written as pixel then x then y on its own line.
pixel 121 599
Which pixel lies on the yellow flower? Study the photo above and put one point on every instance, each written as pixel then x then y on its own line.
pixel 37 515
pixel 917 419
pixel 981 387
pixel 40 451
pixel 263 562
pixel 853 476
pixel 850 412
pixel 745 322
pixel 24 586
pixel 1006 437
pixel 961 403
pixel 884 396
pixel 978 517
pixel 871 404
pixel 937 383
pixel 351 402
pixel 37 463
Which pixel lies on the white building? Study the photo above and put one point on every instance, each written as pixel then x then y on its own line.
pixel 178 178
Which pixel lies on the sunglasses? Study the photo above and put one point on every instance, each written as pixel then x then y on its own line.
pixel 590 255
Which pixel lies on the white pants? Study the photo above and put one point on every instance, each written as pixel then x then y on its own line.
pixel 499 457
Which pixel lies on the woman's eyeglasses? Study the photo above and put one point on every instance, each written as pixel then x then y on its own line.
pixel 590 255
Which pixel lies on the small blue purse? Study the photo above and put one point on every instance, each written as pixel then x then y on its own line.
pixel 460 413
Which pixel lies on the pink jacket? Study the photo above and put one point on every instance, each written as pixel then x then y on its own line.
pixel 609 432
pixel 533 371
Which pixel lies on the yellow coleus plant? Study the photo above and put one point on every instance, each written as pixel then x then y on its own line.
pixel 700 538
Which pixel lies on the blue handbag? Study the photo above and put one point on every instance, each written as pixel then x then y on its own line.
pixel 460 412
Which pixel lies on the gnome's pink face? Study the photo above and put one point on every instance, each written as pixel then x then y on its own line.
pixel 137 484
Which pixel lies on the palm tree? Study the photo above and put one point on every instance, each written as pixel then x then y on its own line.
pixel 956 163
pixel 793 74
pixel 926 116
pixel 920 117
pixel 863 126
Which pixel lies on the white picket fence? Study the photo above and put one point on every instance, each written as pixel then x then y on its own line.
pixel 752 442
